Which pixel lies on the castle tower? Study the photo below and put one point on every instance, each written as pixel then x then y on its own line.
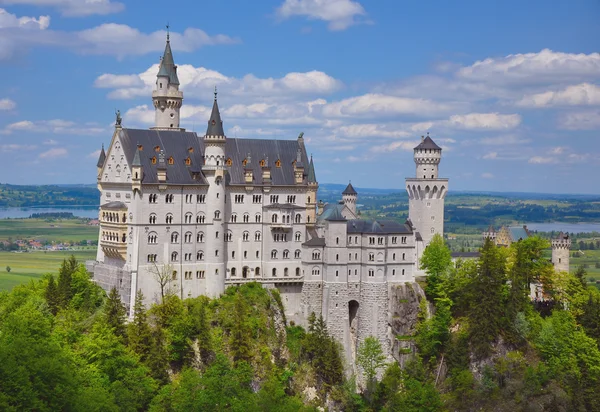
pixel 561 247
pixel 311 201
pixel 490 234
pixel 166 96
pixel 349 196
pixel 426 192
pixel 214 170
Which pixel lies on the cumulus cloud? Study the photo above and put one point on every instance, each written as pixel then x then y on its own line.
pixel 8 20
pixel 371 130
pixel 73 8
pixel 490 121
pixel 586 120
pixel 7 104
pixel 399 145
pixel 533 67
pixel 56 126
pixel 53 153
pixel 340 14
pixel 374 105
pixel 584 94
pixel 538 160
pixel 111 39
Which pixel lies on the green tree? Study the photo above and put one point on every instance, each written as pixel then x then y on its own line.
pixel 115 313
pixel 139 333
pixel 51 295
pixel 370 358
pixel 433 334
pixel 488 305
pixel 241 334
pixel 65 274
pixel 580 275
pixel 8 268
pixel 435 261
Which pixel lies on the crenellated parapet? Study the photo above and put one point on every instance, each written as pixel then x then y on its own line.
pixel 419 190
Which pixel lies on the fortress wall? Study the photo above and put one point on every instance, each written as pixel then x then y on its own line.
pixel 109 276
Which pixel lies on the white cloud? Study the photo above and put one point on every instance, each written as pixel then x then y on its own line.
pixel 543 66
pixel 542 160
pixel 383 105
pixel 491 155
pixel 340 14
pixel 7 104
pixel 399 145
pixel 370 130
pixel 111 39
pixel 487 175
pixel 584 94
pixel 56 126
pixel 503 140
pixel 586 120
pixel 94 155
pixel 53 153
pixel 50 142
pixel 489 121
pixel 557 150
pixel 113 81
pixel 8 20
pixel 73 8
pixel 12 147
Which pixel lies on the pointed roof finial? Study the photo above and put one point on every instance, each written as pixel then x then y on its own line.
pixel 215 92
pixel 168 34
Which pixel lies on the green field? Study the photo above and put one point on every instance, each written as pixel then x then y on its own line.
pixel 589 259
pixel 32 265
pixel 60 230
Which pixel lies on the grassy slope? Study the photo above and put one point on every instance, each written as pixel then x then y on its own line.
pixel 32 265
pixel 63 230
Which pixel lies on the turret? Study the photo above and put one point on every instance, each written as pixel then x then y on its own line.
pixel 311 200
pixel 349 196
pixel 214 171
pixel 136 171
pixel 427 156
pixel 561 247
pixel 166 96
pixel 298 168
pixel 101 160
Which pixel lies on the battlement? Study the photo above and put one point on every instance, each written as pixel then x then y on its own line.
pixel 561 244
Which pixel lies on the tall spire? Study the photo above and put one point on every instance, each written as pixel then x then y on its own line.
pixel 215 124
pixel 167 63
pixel 167 97
pixel 136 158
pixel 102 157
pixel 311 171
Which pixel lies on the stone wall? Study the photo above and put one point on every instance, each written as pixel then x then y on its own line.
pixel 403 310
pixel 109 276
pixel 373 314
pixel 311 299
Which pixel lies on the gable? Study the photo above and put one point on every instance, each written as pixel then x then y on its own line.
pixel 116 166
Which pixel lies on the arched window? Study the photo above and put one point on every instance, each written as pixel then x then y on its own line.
pixel 286 254
pixel 257 218
pixel 298 218
pixel 257 236
pixel 174 275
pixel 233 218
pixel 232 271
pixel 152 238
pixel 188 237
pixel 274 272
pixel 285 271
pixel 152 219
pixel 169 219
pixel 337 240
pixel 297 271
pixel 200 255
pixel 297 254
pixel 200 218
pixel 217 214
pixel 257 271
pixel 174 257
pixel 188 218
pixel 200 237
pixel 274 219
pixel 297 236
pixel 404 256
pixel 174 237
pixel 273 254
pixel 246 218
pixel 245 236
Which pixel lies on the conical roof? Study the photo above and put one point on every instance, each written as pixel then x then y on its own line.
pixel 311 172
pixel 428 143
pixel 349 190
pixel 167 65
pixel 215 124
pixel 136 158
pixel 101 158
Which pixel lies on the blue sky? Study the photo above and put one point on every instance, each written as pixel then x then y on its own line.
pixel 509 89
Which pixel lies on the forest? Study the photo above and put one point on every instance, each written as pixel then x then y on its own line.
pixel 480 343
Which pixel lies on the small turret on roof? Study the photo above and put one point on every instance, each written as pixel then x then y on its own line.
pixel 427 143
pixel 215 124
pixel 101 158
pixel 311 171
pixel 136 159
pixel 349 190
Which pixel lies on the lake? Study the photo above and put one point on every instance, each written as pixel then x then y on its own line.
pixel 22 212
pixel 564 227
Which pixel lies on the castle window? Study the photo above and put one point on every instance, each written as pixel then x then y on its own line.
pixel 188 237
pixel 256 198
pixel 174 275
pixel 394 240
pixel 246 217
pixel 286 254
pixel 278 163
pixel 169 219
pixel 316 255
pixel 239 198
pixel 257 236
pixel 217 272
pixel 337 273
pixel 152 219
pixel 262 163
pixel 273 254
pixel 157 149
pixel 371 257
pixel 228 236
pixel 233 218
pixel 297 271
pixel 232 271
pixel 285 271
pixel 171 160
pixel 393 272
pixel 188 218
pixel 152 238
pixel 229 162
pixel 432 230
pixel 297 254
pixel 188 161
pixel 337 258
pixel 217 214
pixel 337 240
pixel 404 256
pixel 245 236
pixel 297 237
pixel 151 258
pixel 371 273
pixel 153 160
pixel 174 257
pixel 402 272
pixel 394 256
pixel 274 219
pixel 174 237
pixel 200 218
pixel 200 237
pixel 349 256
pixel 355 239
pixel 257 218
pixel 200 198
pixel 217 255
pixel 169 198
pixel 199 274
pixel 403 240
pixel 257 271
pixel 274 271
pixel 200 255
pixel 298 218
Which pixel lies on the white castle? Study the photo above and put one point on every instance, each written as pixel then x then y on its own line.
pixel 196 214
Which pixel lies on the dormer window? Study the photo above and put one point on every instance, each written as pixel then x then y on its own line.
pixel 190 150
pixel 171 160
pixel 188 161
pixel 140 147
pixel 154 160
pixel 278 163
pixel 157 149
pixel 244 162
pixel 262 163
pixel 229 162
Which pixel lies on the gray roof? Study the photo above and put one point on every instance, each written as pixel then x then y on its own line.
pixel 114 205
pixel 377 226
pixel 136 159
pixel 349 190
pixel 167 65
pixel 517 233
pixel 181 145
pixel 174 143
pixel 428 143
pixel 335 215
pixel 331 211
pixel 284 206
pixel 312 178
pixel 315 241
pixel 101 158
pixel 215 124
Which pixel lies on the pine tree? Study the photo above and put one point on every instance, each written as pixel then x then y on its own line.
pixel 115 313
pixel 488 306
pixel 139 333
pixel 65 274
pixel 52 296
pixel 580 274
pixel 241 335
pixel 204 338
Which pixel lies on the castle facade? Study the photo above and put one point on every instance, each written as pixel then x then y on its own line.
pixel 191 215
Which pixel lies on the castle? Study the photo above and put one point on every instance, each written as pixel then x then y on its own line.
pixel 192 215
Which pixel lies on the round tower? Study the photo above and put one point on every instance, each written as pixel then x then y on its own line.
pixel 426 192
pixel 349 196
pixel 166 96
pixel 214 170
pixel 561 247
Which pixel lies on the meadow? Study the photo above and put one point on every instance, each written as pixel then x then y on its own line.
pixel 59 230
pixel 25 266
